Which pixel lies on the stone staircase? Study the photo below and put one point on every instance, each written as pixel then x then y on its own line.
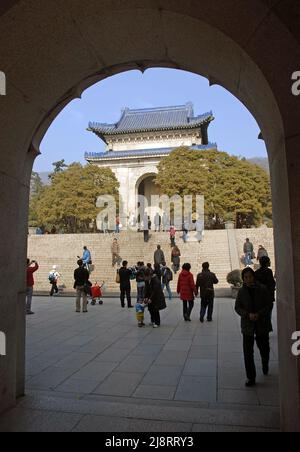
pixel 263 236
pixel 62 250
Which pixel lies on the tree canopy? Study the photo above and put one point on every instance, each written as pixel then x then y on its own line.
pixel 36 190
pixel 69 203
pixel 233 189
pixel 58 167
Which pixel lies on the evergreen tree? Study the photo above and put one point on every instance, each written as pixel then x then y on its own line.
pixel 36 190
pixel 69 202
pixel 233 188
pixel 58 168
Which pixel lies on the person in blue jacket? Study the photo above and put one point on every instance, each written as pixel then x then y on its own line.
pixel 86 258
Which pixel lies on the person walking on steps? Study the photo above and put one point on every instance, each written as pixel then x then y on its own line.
pixel 175 258
pixel 159 256
pixel 248 253
pixel 86 258
pixel 115 252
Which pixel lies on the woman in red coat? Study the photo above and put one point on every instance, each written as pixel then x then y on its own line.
pixel 186 288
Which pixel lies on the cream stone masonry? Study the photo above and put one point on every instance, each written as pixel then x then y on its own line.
pixel 139 141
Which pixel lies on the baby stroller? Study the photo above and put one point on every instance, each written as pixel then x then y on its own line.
pixel 96 294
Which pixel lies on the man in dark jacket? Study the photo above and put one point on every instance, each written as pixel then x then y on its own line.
pixel 253 305
pixel 159 256
pixel 248 253
pixel 125 285
pixel 265 276
pixel 154 293
pixel 206 281
pixel 167 277
pixel 81 276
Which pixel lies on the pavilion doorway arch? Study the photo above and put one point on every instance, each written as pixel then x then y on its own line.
pixel 146 190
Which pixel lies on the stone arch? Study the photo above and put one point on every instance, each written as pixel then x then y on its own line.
pixel 147 191
pixel 230 43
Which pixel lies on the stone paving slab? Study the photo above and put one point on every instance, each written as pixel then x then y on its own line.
pixel 183 375
pixel 194 388
pixel 163 375
pixel 103 424
pixel 120 384
pixel 95 370
pixel 155 392
pixel 245 416
pixel 201 368
pixel 238 396
pixel 203 352
pixel 22 420
pixel 171 358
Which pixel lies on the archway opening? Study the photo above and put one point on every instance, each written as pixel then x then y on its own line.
pixel 216 54
pixel 147 191
pixel 126 154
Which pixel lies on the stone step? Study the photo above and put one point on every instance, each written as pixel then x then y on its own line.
pixel 61 250
pixel 187 416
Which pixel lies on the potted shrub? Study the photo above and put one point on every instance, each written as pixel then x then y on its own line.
pixel 235 279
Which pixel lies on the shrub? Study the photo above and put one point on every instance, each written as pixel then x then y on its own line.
pixel 235 278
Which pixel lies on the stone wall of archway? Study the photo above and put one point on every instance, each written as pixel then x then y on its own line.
pixel 51 51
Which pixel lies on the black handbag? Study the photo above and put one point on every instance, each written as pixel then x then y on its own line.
pixel 87 288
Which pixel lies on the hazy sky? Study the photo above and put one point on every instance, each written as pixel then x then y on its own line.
pixel 234 128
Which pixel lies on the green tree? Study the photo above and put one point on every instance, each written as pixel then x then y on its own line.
pixel 58 168
pixel 232 187
pixel 36 184
pixel 36 190
pixel 69 203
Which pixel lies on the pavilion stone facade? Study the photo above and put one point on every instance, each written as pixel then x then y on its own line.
pixel 140 140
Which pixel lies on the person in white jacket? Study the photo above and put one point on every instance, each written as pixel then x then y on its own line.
pixel 53 278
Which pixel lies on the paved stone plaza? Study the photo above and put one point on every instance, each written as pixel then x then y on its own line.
pixel 100 372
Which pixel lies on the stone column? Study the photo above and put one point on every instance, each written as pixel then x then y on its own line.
pixel 287 245
pixel 13 239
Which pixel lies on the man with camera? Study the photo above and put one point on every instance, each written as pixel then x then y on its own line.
pixel 32 267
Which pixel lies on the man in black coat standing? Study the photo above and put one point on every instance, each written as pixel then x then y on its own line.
pixel 254 305
pixel 125 285
pixel 155 294
pixel 206 281
pixel 265 276
pixel 81 277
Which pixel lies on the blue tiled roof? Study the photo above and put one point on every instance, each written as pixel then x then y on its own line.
pixel 165 118
pixel 89 156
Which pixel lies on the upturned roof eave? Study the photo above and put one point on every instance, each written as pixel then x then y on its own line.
pixel 129 157
pixel 102 133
